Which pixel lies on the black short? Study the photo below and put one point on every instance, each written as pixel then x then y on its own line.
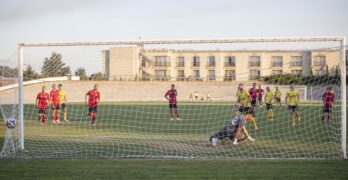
pixel 63 106
pixel 253 102
pixel 277 99
pixel 292 108
pixel 268 106
pixel 56 107
pixel 260 98
pixel 173 106
pixel 246 110
pixel 43 111
pixel 327 109
pixel 92 109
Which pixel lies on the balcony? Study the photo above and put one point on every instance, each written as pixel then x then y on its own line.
pixel 230 64
pixel 162 64
pixel 230 78
pixel 277 64
pixel 254 64
pixel 211 65
pixel 296 64
pixel 195 64
pixel 180 64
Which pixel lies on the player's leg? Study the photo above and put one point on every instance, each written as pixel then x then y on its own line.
pixel 329 111
pixel 177 112
pixel 291 111
pixel 250 113
pixel 39 114
pixel 171 107
pixel 94 114
pixel 65 112
pixel 297 114
pixel 53 114
pixel 324 113
pixel 58 113
pixel 269 111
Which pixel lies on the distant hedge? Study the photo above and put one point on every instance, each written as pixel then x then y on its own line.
pixel 286 79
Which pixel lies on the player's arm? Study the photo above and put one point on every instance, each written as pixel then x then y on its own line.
pixel 37 101
pixel 86 97
pixel 98 98
pixel 65 99
pixel 166 96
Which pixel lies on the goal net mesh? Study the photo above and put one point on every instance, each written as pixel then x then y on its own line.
pixel 133 117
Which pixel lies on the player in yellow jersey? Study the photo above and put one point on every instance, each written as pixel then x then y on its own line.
pixel 269 96
pixel 292 99
pixel 245 104
pixel 62 100
pixel 278 95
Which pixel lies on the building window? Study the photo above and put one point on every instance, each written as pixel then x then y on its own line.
pixel 181 75
pixel 320 72
pixel 296 61
pixel 195 61
pixel 230 75
pixel 254 74
pixel 230 61
pixel 276 72
pixel 299 72
pixel 162 61
pixel 211 75
pixel 161 74
pixel 143 62
pixel 277 61
pixel 211 61
pixel 196 74
pixel 254 61
pixel 181 62
pixel 319 61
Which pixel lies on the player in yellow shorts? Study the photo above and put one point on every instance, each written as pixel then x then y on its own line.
pixel 245 104
pixel 292 99
pixel 269 96
pixel 278 95
pixel 62 100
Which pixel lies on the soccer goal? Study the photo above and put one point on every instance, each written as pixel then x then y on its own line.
pixel 247 98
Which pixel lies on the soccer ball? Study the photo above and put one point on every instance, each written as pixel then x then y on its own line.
pixel 11 123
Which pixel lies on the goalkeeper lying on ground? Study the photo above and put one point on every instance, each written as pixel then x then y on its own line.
pixel 233 130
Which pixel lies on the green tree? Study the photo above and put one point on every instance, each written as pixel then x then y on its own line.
pixel 30 74
pixel 97 76
pixel 54 66
pixel 82 73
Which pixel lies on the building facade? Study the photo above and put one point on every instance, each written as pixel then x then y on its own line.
pixel 214 65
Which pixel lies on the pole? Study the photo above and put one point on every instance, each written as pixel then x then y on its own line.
pixel 343 97
pixel 20 98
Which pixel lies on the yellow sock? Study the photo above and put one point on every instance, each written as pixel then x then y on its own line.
pixel 253 120
pixel 271 113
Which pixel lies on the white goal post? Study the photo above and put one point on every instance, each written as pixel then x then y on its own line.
pixel 140 43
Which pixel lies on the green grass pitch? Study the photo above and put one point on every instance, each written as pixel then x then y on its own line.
pixel 124 123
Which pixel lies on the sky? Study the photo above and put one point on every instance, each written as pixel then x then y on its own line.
pixel 99 20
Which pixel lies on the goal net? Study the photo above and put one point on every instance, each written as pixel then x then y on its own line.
pixel 107 99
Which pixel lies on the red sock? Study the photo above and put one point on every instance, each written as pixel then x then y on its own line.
pixel 53 117
pixel 43 120
pixel 323 117
pixel 177 114
pixel 57 116
pixel 93 118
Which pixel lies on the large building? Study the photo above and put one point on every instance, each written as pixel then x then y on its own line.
pixel 214 65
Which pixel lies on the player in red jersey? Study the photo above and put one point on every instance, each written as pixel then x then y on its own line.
pixel 42 101
pixel 253 94
pixel 55 104
pixel 260 93
pixel 171 97
pixel 328 99
pixel 93 101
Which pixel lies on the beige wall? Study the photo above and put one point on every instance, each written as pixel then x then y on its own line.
pixel 124 62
